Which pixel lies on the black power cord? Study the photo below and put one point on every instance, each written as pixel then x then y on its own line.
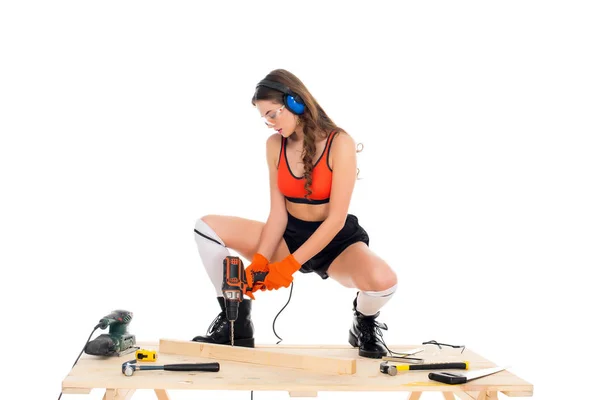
pixel 86 342
pixel 288 302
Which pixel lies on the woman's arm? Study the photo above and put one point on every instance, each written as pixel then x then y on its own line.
pixel 343 163
pixel 273 231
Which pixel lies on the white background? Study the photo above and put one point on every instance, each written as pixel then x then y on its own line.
pixel 124 122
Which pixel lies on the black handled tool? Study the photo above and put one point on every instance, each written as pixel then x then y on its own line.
pixel 457 379
pixel 130 366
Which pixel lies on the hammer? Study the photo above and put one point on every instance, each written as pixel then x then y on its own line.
pixel 129 367
pixel 392 370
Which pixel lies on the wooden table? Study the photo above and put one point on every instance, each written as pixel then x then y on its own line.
pixel 92 372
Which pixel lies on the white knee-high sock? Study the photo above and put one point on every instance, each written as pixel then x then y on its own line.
pixel 369 302
pixel 212 252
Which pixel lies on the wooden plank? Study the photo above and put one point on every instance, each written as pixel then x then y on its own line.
pixel 448 396
pixel 76 391
pixel 307 362
pixel 512 393
pixel 303 394
pixel 161 394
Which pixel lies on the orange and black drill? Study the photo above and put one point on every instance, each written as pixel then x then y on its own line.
pixel 234 287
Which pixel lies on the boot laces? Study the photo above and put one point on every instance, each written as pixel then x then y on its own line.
pixel 371 331
pixel 217 324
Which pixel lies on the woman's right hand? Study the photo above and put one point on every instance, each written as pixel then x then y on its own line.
pixel 256 272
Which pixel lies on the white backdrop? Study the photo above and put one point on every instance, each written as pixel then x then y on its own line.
pixel 124 122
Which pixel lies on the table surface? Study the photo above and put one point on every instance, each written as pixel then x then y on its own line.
pixel 92 372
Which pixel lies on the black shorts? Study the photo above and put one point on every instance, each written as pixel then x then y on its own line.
pixel 298 231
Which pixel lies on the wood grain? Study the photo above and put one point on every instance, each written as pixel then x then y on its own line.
pixel 307 362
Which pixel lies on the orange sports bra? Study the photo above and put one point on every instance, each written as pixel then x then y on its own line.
pixel 292 187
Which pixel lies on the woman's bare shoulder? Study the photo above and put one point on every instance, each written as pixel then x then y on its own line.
pixel 273 146
pixel 344 142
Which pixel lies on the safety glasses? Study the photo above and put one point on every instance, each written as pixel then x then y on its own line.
pixel 439 345
pixel 272 116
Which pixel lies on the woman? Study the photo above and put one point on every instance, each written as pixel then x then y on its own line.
pixel 312 171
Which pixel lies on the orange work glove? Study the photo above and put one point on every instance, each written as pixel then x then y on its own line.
pixel 280 273
pixel 255 274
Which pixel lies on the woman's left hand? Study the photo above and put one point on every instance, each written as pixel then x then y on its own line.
pixel 280 273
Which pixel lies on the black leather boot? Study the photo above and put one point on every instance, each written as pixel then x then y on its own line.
pixel 219 332
pixel 366 335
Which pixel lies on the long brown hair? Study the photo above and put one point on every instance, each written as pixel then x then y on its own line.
pixel 316 122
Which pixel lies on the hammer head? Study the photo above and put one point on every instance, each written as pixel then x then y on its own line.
pixel 128 367
pixel 385 368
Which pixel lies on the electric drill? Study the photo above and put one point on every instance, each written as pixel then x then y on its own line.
pixel 234 286
pixel 118 341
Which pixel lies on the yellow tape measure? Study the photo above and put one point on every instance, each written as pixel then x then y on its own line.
pixel 145 355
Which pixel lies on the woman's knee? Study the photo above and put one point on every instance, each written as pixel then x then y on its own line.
pixel 380 278
pixel 209 219
pixel 205 222
pixel 239 234
pixel 204 227
pixel 218 225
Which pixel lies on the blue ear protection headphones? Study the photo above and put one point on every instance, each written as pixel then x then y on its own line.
pixel 291 100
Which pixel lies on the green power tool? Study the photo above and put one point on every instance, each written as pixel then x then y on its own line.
pixel 117 341
pixel 114 343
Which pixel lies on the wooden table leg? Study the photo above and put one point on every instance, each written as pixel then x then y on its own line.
pixel 414 396
pixel 161 394
pixel 464 396
pixel 483 395
pixel 118 394
pixel 448 395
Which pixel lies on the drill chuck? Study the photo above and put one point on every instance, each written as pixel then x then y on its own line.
pixel 231 310
pixel 232 304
